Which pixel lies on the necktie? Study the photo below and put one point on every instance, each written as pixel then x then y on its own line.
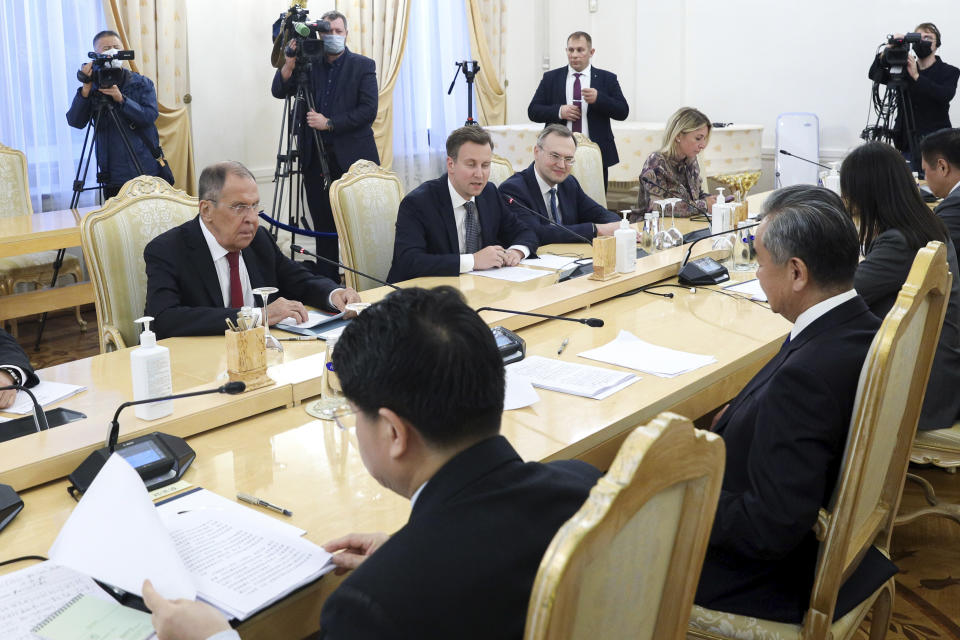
pixel 236 289
pixel 577 101
pixel 471 227
pixel 553 205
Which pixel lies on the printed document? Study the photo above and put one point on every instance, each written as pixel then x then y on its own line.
pixel 627 350
pixel 569 377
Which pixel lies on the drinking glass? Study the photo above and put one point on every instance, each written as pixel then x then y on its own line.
pixel 331 405
pixel 274 348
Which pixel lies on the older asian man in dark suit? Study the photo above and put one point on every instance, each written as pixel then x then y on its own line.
pixel 424 375
pixel 547 187
pixel 583 98
pixel 459 222
pixel 14 368
pixel 201 272
pixel 940 157
pixel 785 432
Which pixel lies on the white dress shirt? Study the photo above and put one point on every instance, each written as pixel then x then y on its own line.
pixel 584 84
pixel 545 193
pixel 459 217
pixel 807 318
pixel 954 188
pixel 219 255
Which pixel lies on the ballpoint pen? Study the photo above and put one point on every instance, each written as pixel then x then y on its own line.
pixel 563 345
pixel 246 497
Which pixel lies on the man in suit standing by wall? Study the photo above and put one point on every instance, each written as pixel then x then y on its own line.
pixel 583 98
pixel 940 156
pixel 547 187
pixel 345 95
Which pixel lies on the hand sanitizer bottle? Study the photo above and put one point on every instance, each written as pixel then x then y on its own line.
pixel 832 180
pixel 718 215
pixel 150 370
pixel 626 239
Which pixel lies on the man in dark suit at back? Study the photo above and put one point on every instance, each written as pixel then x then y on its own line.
pixel 547 187
pixel 583 98
pixel 424 376
pixel 14 368
pixel 940 156
pixel 785 432
pixel 201 272
pixel 345 94
pixel 459 222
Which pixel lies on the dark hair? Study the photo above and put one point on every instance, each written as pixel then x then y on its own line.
pixel 929 26
pixel 104 34
pixel 426 355
pixel 881 194
pixel 810 223
pixel 944 143
pixel 557 130
pixel 212 178
pixel 471 133
pixel 330 16
pixel 581 34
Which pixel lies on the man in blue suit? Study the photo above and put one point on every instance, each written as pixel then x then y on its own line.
pixel 547 187
pixel 345 97
pixel 583 98
pixel 459 222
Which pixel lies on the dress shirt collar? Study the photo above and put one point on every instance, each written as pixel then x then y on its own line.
pixel 416 494
pixel 216 251
pixel 585 73
pixel 807 318
pixel 953 189
pixel 455 197
pixel 544 187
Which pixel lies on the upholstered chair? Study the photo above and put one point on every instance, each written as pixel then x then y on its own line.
pixel 588 169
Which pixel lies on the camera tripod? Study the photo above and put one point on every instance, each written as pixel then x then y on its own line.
pixel 894 101
pixel 470 69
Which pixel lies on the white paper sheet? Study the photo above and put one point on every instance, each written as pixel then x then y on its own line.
pixel 46 393
pixel 520 392
pixel 203 500
pixel 512 274
pixel 332 333
pixel 299 370
pixel 314 318
pixel 750 288
pixel 116 536
pixel 570 377
pixel 550 261
pixel 627 350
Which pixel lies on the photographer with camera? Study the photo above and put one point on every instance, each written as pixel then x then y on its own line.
pixel 344 90
pixel 134 102
pixel 928 85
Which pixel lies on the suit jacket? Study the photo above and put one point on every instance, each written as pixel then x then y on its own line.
pixel 578 211
pixel 11 353
pixel 426 242
pixel 353 108
pixel 879 277
pixel 183 292
pixel 949 212
pixel 464 564
pixel 785 435
pixel 552 94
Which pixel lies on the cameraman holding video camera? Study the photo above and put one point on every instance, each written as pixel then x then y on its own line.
pixel 929 84
pixel 344 88
pixel 134 101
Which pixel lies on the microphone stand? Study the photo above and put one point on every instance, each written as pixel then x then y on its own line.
pixel 512 200
pixel 39 417
pixel 787 153
pixel 590 322
pixel 298 249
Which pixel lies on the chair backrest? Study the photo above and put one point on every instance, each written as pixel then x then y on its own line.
pixel 626 565
pixel 588 168
pixel 500 169
pixel 365 201
pixel 113 239
pixel 14 184
pixel 889 397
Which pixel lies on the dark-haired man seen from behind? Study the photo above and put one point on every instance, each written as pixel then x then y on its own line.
pixel 785 432
pixel 546 186
pixel 423 373
pixel 14 369
pixel 940 153
pixel 459 222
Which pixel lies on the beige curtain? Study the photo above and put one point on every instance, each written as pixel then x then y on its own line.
pixel 157 31
pixel 378 30
pixel 487 20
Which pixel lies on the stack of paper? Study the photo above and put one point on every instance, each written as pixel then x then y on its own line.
pixel 749 288
pixel 627 350
pixel 550 261
pixel 314 318
pixel 511 274
pixel 46 393
pixel 572 378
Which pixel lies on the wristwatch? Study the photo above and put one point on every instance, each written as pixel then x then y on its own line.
pixel 594 229
pixel 13 373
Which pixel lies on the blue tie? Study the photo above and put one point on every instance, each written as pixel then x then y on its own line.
pixel 553 205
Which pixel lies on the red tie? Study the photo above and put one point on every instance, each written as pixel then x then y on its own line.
pixel 236 289
pixel 577 102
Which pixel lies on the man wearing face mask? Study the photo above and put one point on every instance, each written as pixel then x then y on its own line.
pixel 345 98
pixel 930 86
pixel 134 101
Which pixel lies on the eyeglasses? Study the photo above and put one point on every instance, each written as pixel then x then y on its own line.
pixel 241 209
pixel 556 157
pixel 342 414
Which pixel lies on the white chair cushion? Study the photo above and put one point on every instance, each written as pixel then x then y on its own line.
pixel 731 625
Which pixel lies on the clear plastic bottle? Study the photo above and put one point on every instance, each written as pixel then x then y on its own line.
pixel 150 372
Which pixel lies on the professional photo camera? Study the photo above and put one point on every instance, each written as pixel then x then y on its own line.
pixel 106 71
pixel 893 59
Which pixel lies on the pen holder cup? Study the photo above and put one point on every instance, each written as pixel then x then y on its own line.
pixel 247 358
pixel 604 258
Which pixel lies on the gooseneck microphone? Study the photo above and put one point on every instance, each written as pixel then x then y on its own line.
pixel 792 155
pixel 512 200
pixel 298 249
pixel 39 417
pixel 705 270
pixel 590 322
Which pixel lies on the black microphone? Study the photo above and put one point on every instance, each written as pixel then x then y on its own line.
pixel 298 249
pixel 512 200
pixel 705 270
pixel 590 322
pixel 39 417
pixel 787 153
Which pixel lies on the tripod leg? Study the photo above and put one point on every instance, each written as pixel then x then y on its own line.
pixel 123 136
pixel 53 282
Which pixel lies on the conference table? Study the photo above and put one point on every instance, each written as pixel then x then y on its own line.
pixel 264 443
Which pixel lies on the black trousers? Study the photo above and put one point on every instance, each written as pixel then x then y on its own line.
pixel 318 202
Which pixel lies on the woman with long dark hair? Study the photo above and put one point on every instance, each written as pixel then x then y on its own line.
pixel 895 222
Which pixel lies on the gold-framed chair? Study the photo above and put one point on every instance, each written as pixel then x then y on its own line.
pixel 940 448
pixel 500 169
pixel 113 239
pixel 626 565
pixel 864 506
pixel 365 201
pixel 35 269
pixel 588 168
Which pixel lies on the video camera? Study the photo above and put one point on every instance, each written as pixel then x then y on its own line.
pixel 106 71
pixel 307 35
pixel 893 59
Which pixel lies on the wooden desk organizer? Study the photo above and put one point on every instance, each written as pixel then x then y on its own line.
pixel 247 358
pixel 604 258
